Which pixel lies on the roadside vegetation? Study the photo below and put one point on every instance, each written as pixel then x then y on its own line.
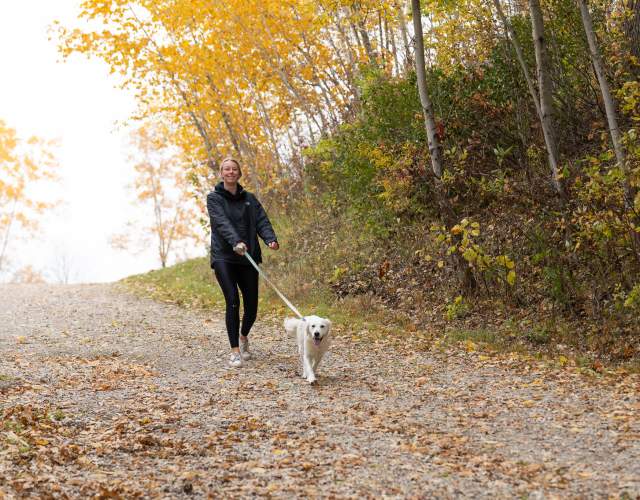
pixel 317 271
pixel 449 167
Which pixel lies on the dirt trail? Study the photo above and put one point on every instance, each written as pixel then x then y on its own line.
pixel 105 394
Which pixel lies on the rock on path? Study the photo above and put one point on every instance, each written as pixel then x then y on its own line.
pixel 108 395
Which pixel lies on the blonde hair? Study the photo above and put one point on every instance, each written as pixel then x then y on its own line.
pixel 232 159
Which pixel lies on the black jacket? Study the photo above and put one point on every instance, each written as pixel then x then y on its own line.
pixel 232 214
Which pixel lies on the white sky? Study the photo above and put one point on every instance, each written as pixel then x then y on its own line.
pixel 76 102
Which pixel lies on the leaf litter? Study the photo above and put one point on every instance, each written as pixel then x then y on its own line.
pixel 113 396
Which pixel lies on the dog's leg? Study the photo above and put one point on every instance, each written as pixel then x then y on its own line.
pixel 311 377
pixel 314 364
pixel 316 367
pixel 299 338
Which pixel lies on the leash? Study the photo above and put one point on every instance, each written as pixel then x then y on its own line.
pixel 262 273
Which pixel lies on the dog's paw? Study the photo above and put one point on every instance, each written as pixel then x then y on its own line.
pixel 312 380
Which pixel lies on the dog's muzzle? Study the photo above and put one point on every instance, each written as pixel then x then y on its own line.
pixel 317 339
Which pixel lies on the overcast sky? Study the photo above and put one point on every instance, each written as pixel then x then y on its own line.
pixel 76 102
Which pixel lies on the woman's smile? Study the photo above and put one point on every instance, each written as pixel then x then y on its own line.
pixel 230 175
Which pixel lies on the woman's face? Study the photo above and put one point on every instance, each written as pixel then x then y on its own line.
pixel 230 172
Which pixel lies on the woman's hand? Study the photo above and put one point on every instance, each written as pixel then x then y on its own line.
pixel 240 248
pixel 273 245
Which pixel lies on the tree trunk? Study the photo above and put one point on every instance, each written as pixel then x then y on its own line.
pixel 425 101
pixel 387 37
pixel 549 136
pixel 631 28
pixel 267 123
pixel 446 210
pixel 292 166
pixel 394 49
pixel 330 74
pixel 356 35
pixel 200 126
pixel 157 210
pixel 348 48
pixel 364 35
pixel 312 135
pixel 405 37
pixel 5 240
pixel 383 56
pixel 546 94
pixel 609 103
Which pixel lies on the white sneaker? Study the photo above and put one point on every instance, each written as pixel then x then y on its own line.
pixel 235 360
pixel 244 350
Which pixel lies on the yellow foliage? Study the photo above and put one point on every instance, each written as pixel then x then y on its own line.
pixel 162 183
pixel 249 78
pixel 463 238
pixel 23 164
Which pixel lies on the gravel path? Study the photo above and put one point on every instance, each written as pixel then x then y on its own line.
pixel 104 394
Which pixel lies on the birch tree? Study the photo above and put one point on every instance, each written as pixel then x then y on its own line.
pixel 542 100
pixel 160 185
pixel 547 117
pixel 23 164
pixel 609 102
pixel 435 149
pixel 400 6
pixel 239 73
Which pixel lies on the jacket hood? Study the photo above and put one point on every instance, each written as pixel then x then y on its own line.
pixel 240 193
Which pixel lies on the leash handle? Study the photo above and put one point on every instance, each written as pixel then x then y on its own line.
pixel 262 273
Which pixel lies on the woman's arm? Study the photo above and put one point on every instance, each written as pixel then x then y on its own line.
pixel 219 220
pixel 263 225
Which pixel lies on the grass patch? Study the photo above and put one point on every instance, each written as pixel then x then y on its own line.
pixel 192 284
pixel 57 415
pixel 189 284
pixel 491 338
pixel 301 269
pixel 584 361
pixel 539 336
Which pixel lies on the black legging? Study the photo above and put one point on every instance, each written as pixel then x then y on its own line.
pixel 231 277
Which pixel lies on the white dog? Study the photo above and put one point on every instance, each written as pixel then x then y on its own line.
pixel 312 333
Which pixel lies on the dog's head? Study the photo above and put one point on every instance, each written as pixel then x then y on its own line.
pixel 317 328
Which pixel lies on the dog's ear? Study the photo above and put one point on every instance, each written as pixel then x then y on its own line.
pixel 328 323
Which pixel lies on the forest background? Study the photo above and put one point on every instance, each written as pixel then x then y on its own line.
pixel 500 201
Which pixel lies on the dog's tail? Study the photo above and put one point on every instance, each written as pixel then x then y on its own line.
pixel 291 325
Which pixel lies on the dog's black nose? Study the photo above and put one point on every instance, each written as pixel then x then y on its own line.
pixel 316 334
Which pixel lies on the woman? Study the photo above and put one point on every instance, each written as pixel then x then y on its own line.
pixel 237 219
